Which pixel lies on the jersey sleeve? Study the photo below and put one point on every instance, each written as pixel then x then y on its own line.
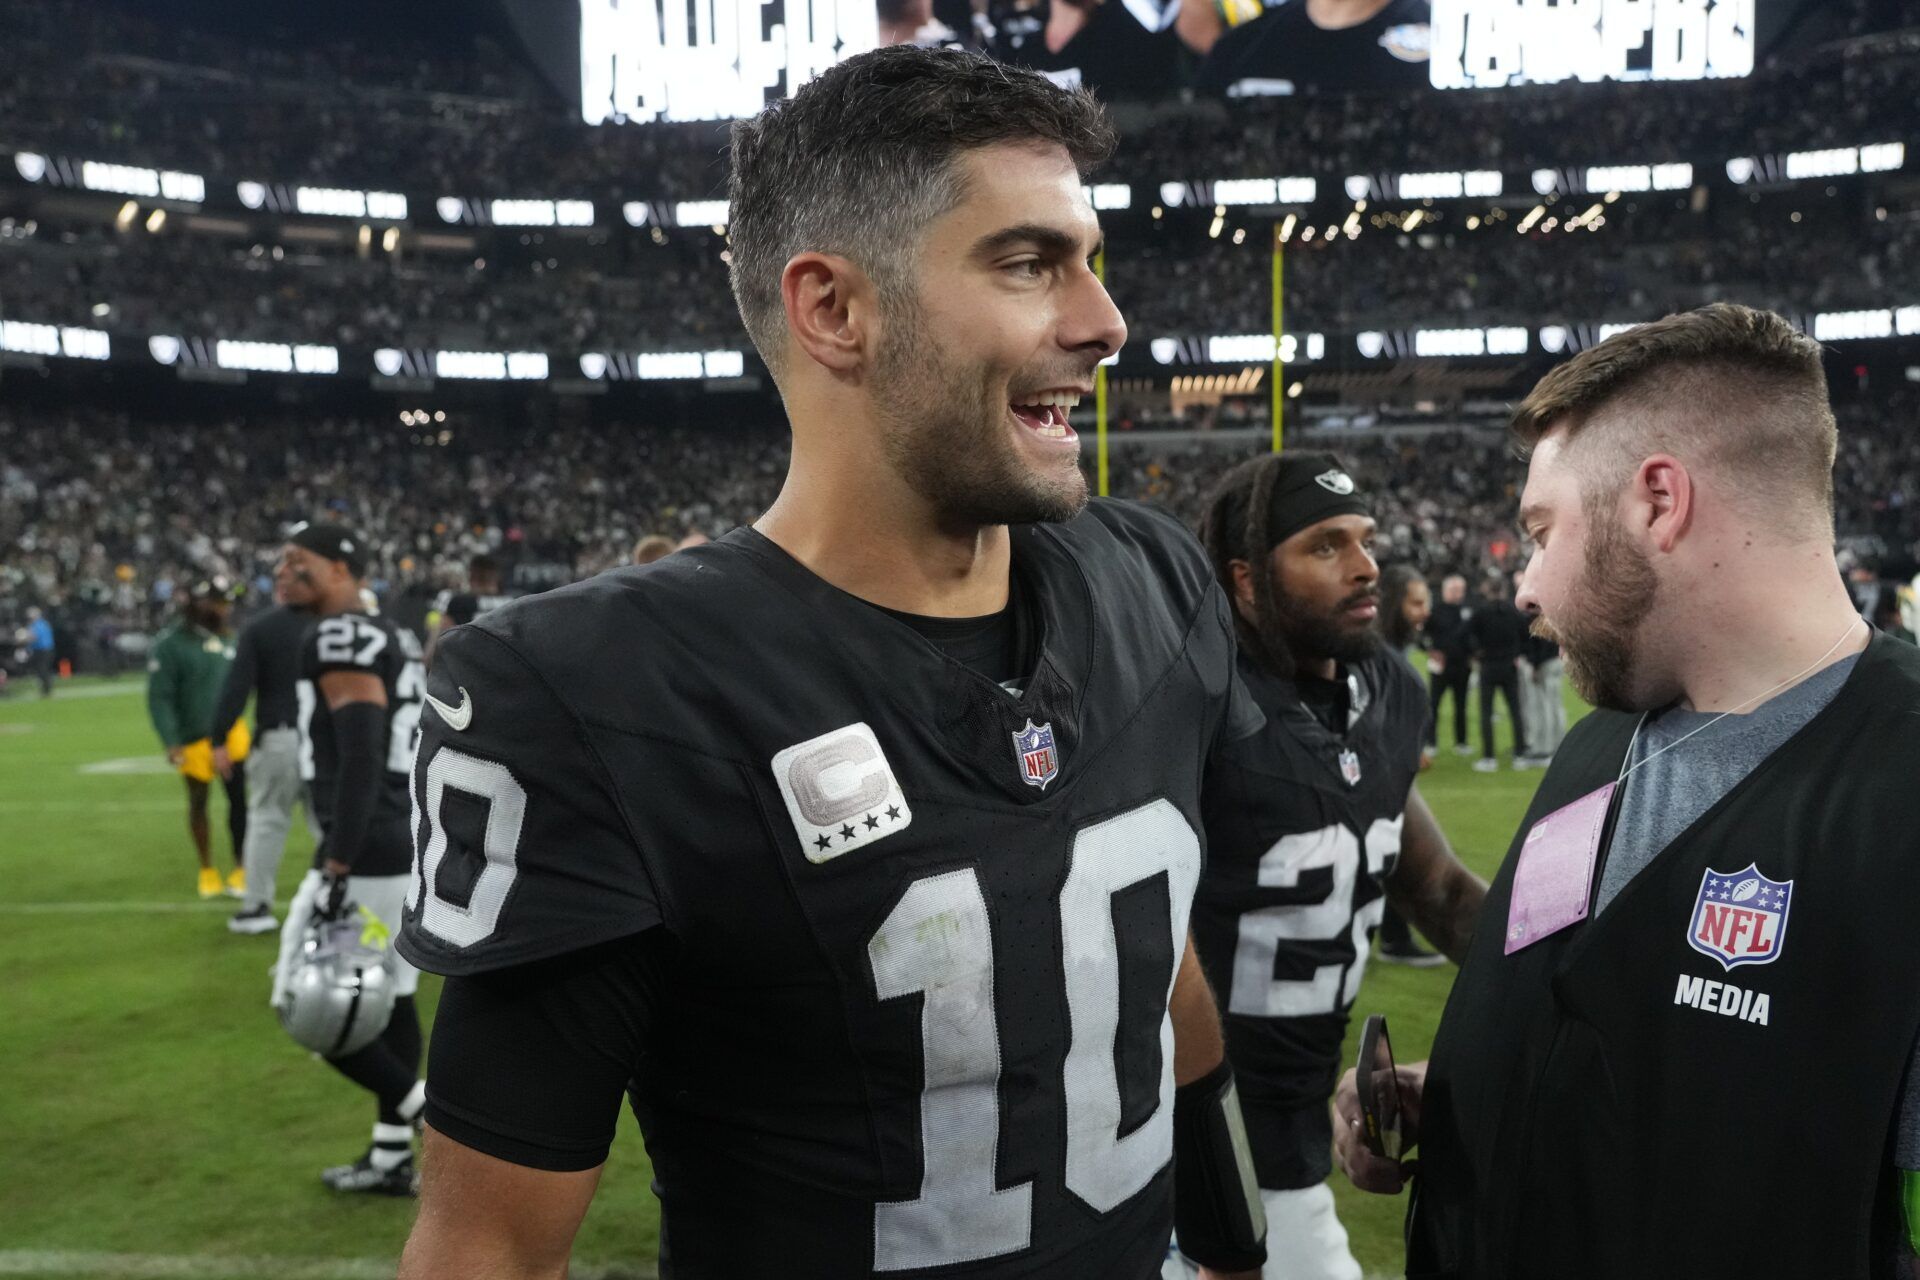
pixel 520 849
pixel 237 687
pixel 529 1063
pixel 163 683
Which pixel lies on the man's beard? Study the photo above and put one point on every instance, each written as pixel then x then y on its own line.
pixel 1614 595
pixel 1314 636
pixel 945 432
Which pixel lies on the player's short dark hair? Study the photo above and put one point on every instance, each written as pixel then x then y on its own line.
pixel 863 157
pixel 1724 383
pixel 1238 525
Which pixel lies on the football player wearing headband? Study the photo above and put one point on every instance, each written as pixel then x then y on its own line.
pixel 1313 826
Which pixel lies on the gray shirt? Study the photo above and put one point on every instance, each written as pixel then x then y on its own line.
pixel 1666 795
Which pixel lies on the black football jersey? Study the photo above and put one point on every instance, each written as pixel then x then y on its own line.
pixel 927 926
pixel 1303 827
pixel 376 645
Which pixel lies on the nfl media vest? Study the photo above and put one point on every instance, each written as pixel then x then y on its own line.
pixel 1693 1084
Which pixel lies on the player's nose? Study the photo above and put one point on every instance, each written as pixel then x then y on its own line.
pixel 1091 323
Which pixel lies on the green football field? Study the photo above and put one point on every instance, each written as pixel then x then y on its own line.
pixel 156 1122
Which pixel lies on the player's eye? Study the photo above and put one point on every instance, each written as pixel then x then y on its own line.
pixel 1028 268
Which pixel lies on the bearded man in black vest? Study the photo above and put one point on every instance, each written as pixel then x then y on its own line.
pixel 1682 1041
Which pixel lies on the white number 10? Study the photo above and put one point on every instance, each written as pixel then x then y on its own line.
pixel 938 942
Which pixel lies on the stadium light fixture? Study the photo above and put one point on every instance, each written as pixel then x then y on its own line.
pixel 1840 326
pixel 156 220
pixel 1882 157
pixel 128 212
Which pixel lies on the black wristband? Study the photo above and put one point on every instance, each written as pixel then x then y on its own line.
pixel 1217 1214
pixel 359 729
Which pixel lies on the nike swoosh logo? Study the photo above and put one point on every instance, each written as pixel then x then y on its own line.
pixel 457 718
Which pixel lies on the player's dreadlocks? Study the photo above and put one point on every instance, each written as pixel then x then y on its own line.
pixel 1238 526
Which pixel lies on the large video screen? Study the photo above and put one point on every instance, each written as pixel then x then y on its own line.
pixel 645 60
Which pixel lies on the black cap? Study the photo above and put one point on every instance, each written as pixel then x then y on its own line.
pixel 1309 488
pixel 334 541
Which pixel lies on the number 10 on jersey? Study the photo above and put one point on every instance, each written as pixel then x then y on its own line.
pixel 938 943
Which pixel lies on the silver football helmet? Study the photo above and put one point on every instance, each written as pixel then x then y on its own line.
pixel 342 991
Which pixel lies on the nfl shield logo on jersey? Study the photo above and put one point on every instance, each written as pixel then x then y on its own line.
pixel 1039 759
pixel 1350 767
pixel 1740 917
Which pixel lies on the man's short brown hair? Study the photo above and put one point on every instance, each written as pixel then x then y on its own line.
pixel 655 546
pixel 1739 391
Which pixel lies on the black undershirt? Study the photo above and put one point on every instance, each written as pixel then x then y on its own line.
pixel 997 645
pixel 1327 700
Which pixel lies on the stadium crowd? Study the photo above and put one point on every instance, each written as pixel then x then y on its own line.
pixel 106 519
pixel 460 116
pixel 1646 260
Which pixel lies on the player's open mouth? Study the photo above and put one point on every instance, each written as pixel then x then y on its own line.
pixel 1045 414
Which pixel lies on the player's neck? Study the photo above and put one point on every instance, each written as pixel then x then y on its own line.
pixel 872 538
pixel 1317 668
pixel 329 606
pixel 1337 15
pixel 1750 638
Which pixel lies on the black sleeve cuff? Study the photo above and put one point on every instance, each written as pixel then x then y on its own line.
pixel 489 1136
pixel 1217 1213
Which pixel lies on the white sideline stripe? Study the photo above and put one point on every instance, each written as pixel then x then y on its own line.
pixel 161 1266
pixel 118 688
pixel 107 908
pixel 91 806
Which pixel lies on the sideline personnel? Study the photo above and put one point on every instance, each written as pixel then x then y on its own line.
pixel 1705 1078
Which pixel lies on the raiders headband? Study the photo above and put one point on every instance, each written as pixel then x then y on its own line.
pixel 1311 487
pixel 334 541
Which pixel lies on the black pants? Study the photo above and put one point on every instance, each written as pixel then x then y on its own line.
pixel 1454 678
pixel 1504 676
pixel 40 662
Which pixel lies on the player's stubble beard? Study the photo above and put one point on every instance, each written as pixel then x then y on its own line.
pixel 1615 593
pixel 945 432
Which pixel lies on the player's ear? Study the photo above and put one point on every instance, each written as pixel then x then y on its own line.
pixel 830 310
pixel 1663 497
pixel 1243 602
